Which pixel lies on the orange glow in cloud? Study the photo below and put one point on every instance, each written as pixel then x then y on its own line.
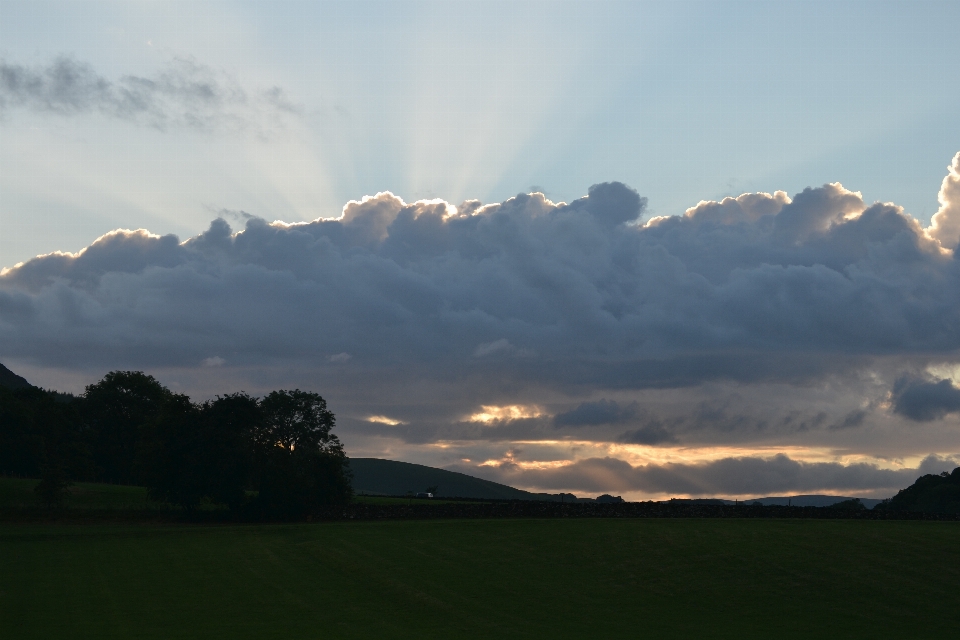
pixel 565 452
pixel 492 413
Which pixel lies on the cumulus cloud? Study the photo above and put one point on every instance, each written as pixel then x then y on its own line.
pixel 755 288
pixel 735 476
pixel 430 312
pixel 945 224
pixel 184 94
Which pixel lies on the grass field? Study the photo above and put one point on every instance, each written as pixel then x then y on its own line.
pixel 483 578
pixel 18 492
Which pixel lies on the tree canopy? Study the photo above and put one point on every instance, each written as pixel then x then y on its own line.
pixel 270 457
pixel 931 493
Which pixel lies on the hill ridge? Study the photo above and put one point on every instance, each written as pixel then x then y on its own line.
pixel 393 477
pixel 11 380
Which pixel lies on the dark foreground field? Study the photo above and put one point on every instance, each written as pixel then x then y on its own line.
pixel 482 578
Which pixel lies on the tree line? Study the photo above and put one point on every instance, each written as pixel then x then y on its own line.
pixel 931 493
pixel 269 457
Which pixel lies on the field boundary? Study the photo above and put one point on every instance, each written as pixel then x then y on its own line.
pixel 534 509
pixel 474 510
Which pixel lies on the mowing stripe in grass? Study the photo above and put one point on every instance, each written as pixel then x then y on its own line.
pixel 479 578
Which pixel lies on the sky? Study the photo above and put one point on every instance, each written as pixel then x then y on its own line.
pixel 641 248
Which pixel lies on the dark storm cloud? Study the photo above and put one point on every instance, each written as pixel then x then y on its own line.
pixel 603 422
pixel 851 420
pixel 727 476
pixel 184 94
pixel 653 433
pixel 923 398
pixel 594 413
pixel 649 429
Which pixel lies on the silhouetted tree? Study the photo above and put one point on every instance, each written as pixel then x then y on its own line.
pixel 297 419
pixel 170 456
pixel 21 447
pixel 190 453
pixel 129 428
pixel 40 437
pixel 931 493
pixel 853 504
pixel 229 426
pixel 115 411
pixel 299 463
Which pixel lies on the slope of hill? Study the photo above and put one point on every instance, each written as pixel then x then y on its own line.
pixel 11 380
pixel 811 501
pixel 394 478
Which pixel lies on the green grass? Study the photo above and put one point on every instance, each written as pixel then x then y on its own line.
pixel 483 578
pixel 17 492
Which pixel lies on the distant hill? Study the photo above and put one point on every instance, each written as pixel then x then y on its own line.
pixel 783 501
pixel 394 478
pixel 812 501
pixel 11 380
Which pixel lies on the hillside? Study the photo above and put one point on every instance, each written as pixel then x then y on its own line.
pixel 11 380
pixel 811 501
pixel 394 478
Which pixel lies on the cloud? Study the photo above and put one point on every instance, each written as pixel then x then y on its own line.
pixel 611 203
pixel 781 290
pixel 945 224
pixel 185 94
pixel 488 348
pixel 851 420
pixel 735 476
pixel 65 86
pixel 593 413
pixel 923 398
pixel 709 327
pixel 650 434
